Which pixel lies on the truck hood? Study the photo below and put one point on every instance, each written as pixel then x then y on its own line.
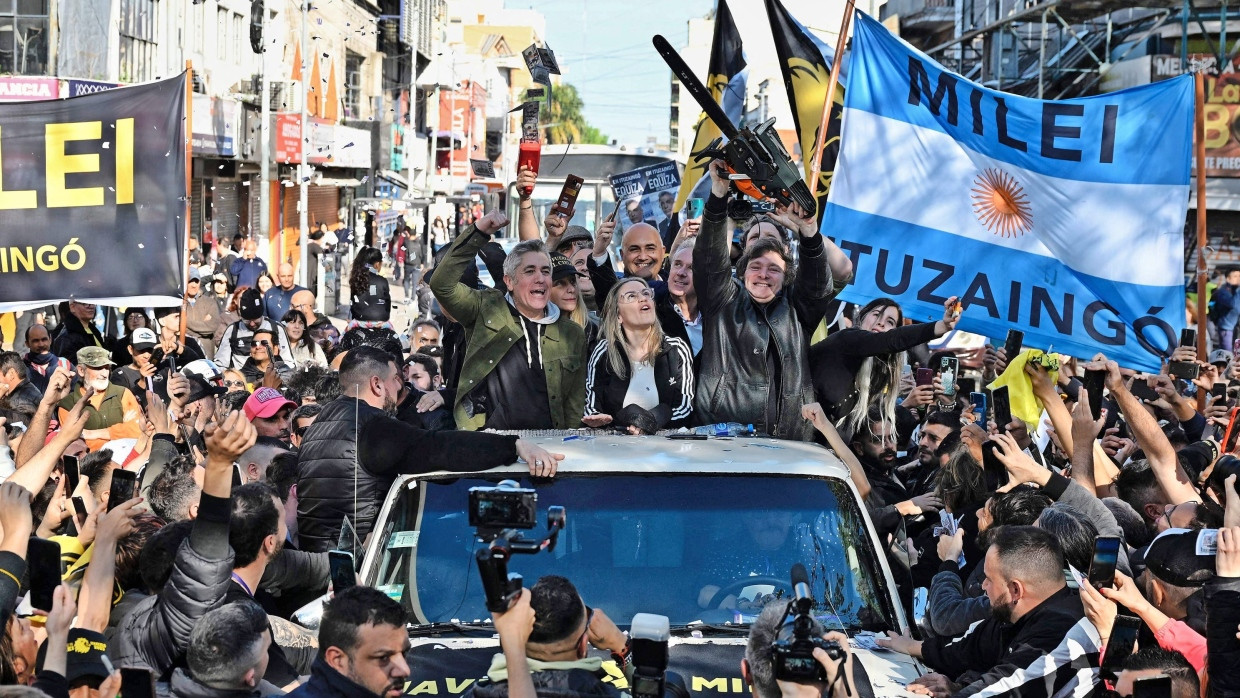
pixel 710 667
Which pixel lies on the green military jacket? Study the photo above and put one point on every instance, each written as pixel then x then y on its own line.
pixel 491 331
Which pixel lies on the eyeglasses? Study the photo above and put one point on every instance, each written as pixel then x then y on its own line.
pixel 234 384
pixel 589 621
pixel 263 343
pixel 632 296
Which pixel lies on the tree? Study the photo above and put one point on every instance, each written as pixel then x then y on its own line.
pixel 565 122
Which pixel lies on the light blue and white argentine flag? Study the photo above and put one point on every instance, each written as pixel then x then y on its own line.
pixel 1064 219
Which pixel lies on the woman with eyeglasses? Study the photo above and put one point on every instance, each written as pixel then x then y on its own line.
pixel 637 376
pixel 305 350
pixel 234 381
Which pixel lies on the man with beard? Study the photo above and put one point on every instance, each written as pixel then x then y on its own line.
pixel 116 413
pixel 40 360
pixel 268 410
pixel 889 499
pixel 1036 639
pixel 356 448
pixel 256 534
pixel 363 645
pixel 924 472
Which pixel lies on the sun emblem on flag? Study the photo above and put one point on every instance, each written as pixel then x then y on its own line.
pixel 1000 204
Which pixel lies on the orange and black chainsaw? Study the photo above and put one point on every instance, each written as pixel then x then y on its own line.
pixel 757 161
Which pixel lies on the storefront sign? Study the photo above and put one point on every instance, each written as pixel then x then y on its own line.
pixel 23 89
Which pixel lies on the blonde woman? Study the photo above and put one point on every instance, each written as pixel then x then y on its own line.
pixel 635 365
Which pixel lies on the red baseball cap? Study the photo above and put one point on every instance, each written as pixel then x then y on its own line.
pixel 265 402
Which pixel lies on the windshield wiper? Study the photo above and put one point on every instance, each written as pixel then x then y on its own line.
pixel 461 627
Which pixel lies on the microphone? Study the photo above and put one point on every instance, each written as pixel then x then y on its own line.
pixel 800 585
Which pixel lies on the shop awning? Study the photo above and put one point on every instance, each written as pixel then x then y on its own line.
pixel 1222 194
pixel 395 178
pixel 330 182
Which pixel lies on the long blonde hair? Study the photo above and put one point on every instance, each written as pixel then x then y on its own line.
pixel 616 337
pixel 878 380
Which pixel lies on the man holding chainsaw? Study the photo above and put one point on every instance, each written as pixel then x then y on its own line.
pixel 742 377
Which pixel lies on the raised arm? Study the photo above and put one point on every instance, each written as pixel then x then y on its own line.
pixel 527 224
pixel 461 301
pixel 1150 439
pixel 58 386
pixel 712 255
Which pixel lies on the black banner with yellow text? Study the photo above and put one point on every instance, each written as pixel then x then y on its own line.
pixel 92 196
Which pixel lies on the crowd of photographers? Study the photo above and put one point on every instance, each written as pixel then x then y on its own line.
pixel 1055 526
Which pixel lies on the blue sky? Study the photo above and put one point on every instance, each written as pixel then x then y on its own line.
pixel 605 50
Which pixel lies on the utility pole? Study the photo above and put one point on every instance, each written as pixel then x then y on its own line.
pixel 264 143
pixel 303 168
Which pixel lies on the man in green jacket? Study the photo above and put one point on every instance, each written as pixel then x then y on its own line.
pixel 524 362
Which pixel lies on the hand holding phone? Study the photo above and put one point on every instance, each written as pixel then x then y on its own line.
pixel 44 568
pixel 1106 557
pixel 342 571
pixel 124 487
pixel 1015 341
pixel 1003 408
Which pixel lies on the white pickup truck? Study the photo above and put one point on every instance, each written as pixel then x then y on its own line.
pixel 701 531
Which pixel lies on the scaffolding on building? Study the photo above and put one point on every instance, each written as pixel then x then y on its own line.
pixel 1056 49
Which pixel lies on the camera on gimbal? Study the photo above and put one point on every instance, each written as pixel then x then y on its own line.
pixel 794 657
pixel 499 514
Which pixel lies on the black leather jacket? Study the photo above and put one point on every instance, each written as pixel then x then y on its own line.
pixel 733 377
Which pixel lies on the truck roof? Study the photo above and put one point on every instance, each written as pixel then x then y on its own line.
pixel 586 453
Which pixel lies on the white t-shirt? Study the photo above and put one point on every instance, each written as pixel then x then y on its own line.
pixel 642 390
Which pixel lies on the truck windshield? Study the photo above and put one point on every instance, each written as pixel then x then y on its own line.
pixel 710 548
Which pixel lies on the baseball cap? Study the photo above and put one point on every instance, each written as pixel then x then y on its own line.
pixel 1181 557
pixel 200 387
pixel 562 268
pixel 94 357
pixel 250 307
pixel 206 369
pixel 143 339
pixel 1220 356
pixel 572 234
pixel 265 402
pixel 84 660
pixel 194 274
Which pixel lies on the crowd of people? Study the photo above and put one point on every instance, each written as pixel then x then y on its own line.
pixel 256 430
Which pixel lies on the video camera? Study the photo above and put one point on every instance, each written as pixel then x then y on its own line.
pixel 498 515
pixel 649 634
pixel 794 657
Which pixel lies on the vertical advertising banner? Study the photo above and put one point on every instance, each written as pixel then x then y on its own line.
pixel 92 196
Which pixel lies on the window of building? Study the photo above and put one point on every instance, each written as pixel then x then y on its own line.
pixel 23 37
pixel 238 30
pixel 221 32
pixel 138 26
pixel 352 85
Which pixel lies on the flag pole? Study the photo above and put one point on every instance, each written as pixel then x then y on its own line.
pixel 189 194
pixel 1200 149
pixel 832 83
